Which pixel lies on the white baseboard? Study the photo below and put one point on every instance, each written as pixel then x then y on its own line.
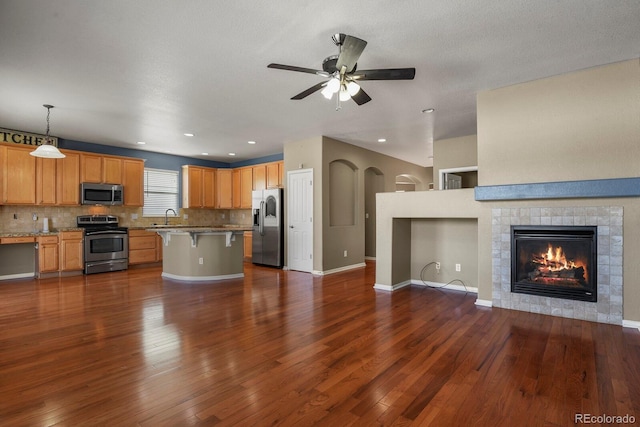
pixel 484 303
pixel 391 287
pixel 338 270
pixel 370 258
pixel 453 286
pixel 17 276
pixel 630 324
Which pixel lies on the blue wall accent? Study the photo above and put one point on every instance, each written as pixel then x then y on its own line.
pixel 159 160
pixel 595 188
pixel 265 159
pixel 152 160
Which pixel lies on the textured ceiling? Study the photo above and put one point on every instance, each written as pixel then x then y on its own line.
pixel 123 71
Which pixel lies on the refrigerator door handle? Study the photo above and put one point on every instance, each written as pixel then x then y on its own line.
pixel 261 218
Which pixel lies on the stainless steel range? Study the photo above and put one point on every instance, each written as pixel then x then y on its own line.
pixel 106 245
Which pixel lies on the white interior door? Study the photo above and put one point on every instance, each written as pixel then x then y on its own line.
pixel 300 220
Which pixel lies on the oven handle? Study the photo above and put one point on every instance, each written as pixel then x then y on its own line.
pixel 95 233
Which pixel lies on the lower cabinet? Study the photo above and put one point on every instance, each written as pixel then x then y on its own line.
pixel 71 251
pixel 248 243
pixel 144 247
pixel 48 255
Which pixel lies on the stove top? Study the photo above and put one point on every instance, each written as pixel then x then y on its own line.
pixel 99 222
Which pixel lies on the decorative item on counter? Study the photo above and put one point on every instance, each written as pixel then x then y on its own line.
pixel 45 225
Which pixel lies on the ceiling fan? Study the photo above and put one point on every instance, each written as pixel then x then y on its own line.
pixel 341 70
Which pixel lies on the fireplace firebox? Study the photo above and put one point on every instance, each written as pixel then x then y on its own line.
pixel 555 261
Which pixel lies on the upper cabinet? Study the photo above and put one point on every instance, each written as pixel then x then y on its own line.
pixel 18 175
pixel 101 169
pixel 246 187
pixel 224 189
pixel 198 187
pixel 259 177
pixel 275 172
pixel 68 179
pixel 133 181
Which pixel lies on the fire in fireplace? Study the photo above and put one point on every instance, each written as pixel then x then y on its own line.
pixel 555 261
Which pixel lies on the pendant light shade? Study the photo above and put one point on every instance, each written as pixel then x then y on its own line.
pixel 47 150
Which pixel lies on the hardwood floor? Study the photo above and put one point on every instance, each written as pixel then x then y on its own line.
pixel 286 348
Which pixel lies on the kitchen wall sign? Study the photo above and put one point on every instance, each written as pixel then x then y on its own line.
pixel 24 138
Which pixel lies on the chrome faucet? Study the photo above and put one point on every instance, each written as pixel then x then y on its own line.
pixel 166 215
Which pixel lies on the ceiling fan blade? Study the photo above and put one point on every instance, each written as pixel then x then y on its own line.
pixel 361 97
pixel 299 69
pixel 385 74
pixel 309 91
pixel 350 51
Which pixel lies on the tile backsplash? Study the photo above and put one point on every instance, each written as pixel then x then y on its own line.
pixel 20 218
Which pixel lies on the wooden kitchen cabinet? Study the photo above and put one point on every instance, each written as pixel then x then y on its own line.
pixel 68 179
pixel 18 175
pixel 235 186
pixel 144 247
pixel 48 254
pixel 91 168
pixel 112 170
pixel 242 185
pixel 259 177
pixel 133 182
pixel 224 188
pixel 198 187
pixel 274 174
pixel 248 244
pixel 208 188
pixel 58 180
pixel 246 187
pixel 46 180
pixel 71 251
pixel 103 169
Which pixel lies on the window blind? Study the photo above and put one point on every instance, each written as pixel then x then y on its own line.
pixel 160 191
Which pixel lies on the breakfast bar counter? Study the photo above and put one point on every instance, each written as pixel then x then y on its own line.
pixel 199 254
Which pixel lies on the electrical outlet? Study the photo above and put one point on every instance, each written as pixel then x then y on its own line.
pixel 345 253
pixel 35 216
pixel 185 216
pixel 222 216
pixel 438 266
pixel 134 216
pixel 201 261
pixel 457 267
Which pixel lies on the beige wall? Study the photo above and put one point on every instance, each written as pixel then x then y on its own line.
pixel 317 153
pixel 583 125
pixel 454 153
pixel 578 126
pixel 307 154
pixel 449 241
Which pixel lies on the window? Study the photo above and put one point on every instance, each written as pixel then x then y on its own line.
pixel 160 191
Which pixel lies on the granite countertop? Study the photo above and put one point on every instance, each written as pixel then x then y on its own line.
pixel 200 229
pixel 37 233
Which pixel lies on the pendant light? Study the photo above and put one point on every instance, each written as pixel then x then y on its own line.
pixel 47 149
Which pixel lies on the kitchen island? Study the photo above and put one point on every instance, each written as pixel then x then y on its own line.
pixel 198 254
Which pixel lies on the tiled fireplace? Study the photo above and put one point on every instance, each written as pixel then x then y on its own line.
pixel 607 219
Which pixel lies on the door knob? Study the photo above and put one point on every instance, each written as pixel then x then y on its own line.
pixel 291 226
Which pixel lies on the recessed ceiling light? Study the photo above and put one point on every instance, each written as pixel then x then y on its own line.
pixel 251 142
pixel 382 140
pixel 141 142
pixel 232 154
pixel 188 134
pixel 205 154
pixel 428 110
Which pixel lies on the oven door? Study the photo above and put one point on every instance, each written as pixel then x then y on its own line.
pixel 105 245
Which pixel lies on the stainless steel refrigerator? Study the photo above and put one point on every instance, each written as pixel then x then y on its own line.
pixel 268 227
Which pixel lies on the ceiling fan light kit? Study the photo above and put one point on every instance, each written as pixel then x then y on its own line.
pixel 342 74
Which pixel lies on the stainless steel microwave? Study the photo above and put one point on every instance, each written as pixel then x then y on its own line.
pixel 101 194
